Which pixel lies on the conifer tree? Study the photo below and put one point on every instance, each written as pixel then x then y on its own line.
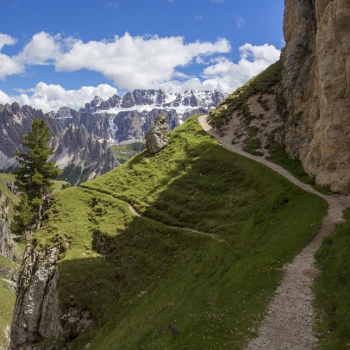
pixel 33 178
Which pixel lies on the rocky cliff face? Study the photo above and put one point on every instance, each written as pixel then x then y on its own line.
pixel 127 119
pixel 6 238
pixel 85 155
pixel 7 244
pixel 316 83
pixel 14 122
pixel 97 124
pixel 159 98
pixel 77 148
pixel 37 313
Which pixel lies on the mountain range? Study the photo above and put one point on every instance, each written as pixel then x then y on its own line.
pixel 81 138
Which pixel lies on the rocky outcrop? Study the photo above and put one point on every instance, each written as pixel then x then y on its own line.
pixel 132 126
pixel 37 314
pixel 157 137
pixel 316 84
pixel 8 247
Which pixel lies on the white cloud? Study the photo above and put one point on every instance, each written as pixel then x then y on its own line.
pixel 128 61
pixel 52 97
pixel 8 66
pixel 228 76
pixel 220 1
pixel 147 62
pixel 6 40
pixel 42 49
pixel 137 61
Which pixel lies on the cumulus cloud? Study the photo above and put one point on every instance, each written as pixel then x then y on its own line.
pixel 141 62
pixel 52 97
pixel 227 76
pixel 127 61
pixel 6 40
pixel 8 66
pixel 137 61
pixel 43 49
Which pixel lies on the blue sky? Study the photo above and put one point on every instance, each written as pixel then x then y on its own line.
pixel 60 52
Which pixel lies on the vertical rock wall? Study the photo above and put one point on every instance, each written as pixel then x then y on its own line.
pixel 36 314
pixel 317 90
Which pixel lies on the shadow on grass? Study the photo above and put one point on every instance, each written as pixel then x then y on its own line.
pixel 135 276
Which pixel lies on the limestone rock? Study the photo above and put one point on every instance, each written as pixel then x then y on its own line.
pixel 316 82
pixel 157 137
pixel 36 314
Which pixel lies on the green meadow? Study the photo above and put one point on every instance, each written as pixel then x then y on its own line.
pixel 135 274
pixel 332 289
pixel 7 296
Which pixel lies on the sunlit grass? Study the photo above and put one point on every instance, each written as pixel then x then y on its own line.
pixel 135 276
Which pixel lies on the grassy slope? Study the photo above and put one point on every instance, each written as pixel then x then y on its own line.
pixel 332 289
pixel 7 298
pixel 262 83
pixel 215 292
pixel 6 307
pixel 265 82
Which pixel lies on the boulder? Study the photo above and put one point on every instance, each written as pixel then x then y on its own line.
pixel 157 137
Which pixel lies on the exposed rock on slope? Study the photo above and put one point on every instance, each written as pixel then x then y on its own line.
pixel 316 81
pixel 6 238
pixel 157 137
pixel 8 198
pixel 37 314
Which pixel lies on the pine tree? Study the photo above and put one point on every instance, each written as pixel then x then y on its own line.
pixel 33 178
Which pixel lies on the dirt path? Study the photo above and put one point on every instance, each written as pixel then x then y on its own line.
pixel 135 212
pixel 212 235
pixel 288 322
